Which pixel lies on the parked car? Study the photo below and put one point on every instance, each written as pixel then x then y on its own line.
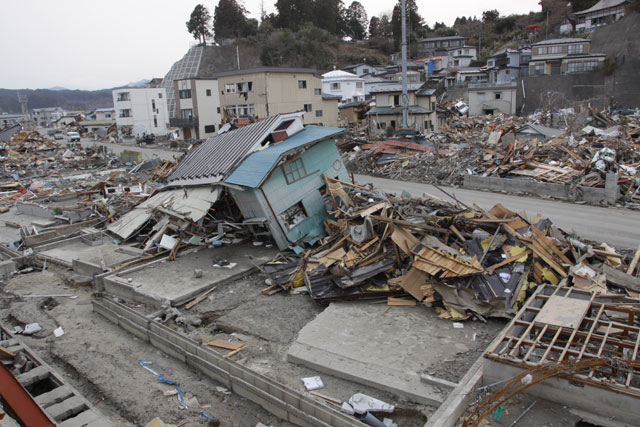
pixel 73 137
pixel 58 136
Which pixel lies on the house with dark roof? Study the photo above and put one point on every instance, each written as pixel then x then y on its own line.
pixel 602 13
pixel 272 170
pixel 563 56
pixel 388 109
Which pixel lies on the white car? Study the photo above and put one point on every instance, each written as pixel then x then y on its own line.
pixel 73 137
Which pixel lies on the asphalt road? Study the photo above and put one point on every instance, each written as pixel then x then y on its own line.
pixel 147 153
pixel 617 227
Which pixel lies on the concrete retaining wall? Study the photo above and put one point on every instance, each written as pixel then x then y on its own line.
pixel 609 194
pixel 276 398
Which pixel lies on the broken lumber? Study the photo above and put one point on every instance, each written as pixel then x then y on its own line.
pixel 621 279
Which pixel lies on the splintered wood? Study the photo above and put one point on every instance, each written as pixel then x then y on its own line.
pixel 440 264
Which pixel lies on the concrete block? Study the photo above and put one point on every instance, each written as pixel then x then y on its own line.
pixel 86 268
pixel 34 210
pixel 38 373
pixel 67 408
pixel 54 396
pixel 85 418
pixel 7 267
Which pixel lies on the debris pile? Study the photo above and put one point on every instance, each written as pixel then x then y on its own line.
pixel 509 147
pixel 465 261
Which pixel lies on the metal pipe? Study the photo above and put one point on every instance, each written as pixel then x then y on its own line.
pixel 405 96
pixel 522 414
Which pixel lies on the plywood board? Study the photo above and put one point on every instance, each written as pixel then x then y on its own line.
pixel 229 345
pixel 563 311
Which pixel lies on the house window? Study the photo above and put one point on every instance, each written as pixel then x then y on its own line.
pixel 308 108
pixel 294 170
pixel 318 113
pixel 498 95
pixel 244 87
pixel 365 70
pixel 335 86
pixel 153 104
pixel 230 88
pixel 241 110
pixel 108 115
pixel 184 93
pixel 125 113
pixel 209 128
pixel 123 96
pixel 396 99
pixel 302 84
pixel 317 91
pixel 294 215
pixel 576 48
pixel 160 95
pixel 359 85
pixel 155 122
pixel 393 124
pixel 218 110
pixel 208 92
pixel 186 113
pixel 466 51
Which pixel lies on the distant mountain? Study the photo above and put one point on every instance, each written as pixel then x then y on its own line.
pixel 68 99
pixel 57 88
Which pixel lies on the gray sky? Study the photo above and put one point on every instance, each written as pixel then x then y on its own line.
pixel 86 44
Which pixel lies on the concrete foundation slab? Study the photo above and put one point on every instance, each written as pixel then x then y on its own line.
pixel 384 348
pixel 175 280
pixel 76 249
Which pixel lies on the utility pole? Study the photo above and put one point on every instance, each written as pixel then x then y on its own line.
pixel 405 97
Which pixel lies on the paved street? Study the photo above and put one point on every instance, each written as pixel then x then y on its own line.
pixel 618 227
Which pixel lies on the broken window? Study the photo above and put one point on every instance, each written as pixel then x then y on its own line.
pixel 498 95
pixel 123 96
pixel 294 170
pixel 184 93
pixel 186 113
pixel 125 113
pixel 209 128
pixel 308 108
pixel 294 215
pixel 302 84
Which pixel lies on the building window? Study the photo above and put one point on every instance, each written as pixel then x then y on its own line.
pixel 160 95
pixel 218 110
pixel 155 122
pixel 125 113
pixel 230 88
pixel 186 113
pixel 308 108
pixel 294 215
pixel 208 92
pixel 498 95
pixel 294 170
pixel 576 48
pixel 184 93
pixel 302 84
pixel 108 115
pixel 241 110
pixel 123 96
pixel 153 104
pixel 359 85
pixel 582 66
pixel 466 51
pixel 335 86
pixel 538 68
pixel 244 86
pixel 318 113
pixel 209 128
pixel 396 99
pixel 317 91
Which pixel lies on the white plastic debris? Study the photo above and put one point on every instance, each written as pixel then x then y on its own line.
pixel 362 403
pixel 347 409
pixel 389 422
pixel 526 379
pixel 222 390
pixel 458 325
pixel 313 383
pixel 31 328
pixel 58 332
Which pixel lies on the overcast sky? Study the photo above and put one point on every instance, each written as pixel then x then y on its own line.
pixel 86 44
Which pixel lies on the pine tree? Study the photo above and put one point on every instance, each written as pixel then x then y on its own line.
pixel 356 21
pixel 198 24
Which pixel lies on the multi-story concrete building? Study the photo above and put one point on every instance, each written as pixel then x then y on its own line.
pixel 508 64
pixel 441 46
pixel 491 98
pixel 198 110
pixel 349 86
pixel 46 117
pixel 141 110
pixel 563 56
pixel 267 91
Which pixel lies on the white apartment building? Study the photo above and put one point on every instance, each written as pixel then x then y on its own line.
pixel 348 86
pixel 141 110
pixel 198 112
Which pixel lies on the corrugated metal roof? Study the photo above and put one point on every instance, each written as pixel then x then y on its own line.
pixel 254 169
pixel 217 156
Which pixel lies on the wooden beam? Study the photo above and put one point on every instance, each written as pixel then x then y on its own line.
pixel 621 279
pixel 634 262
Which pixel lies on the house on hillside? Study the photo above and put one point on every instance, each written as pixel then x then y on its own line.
pixel 507 65
pixel 440 46
pixel 602 13
pixel 388 109
pixel 271 169
pixel 492 98
pixel 349 86
pixel 563 56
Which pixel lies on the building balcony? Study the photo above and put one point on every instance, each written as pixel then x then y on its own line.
pixel 191 122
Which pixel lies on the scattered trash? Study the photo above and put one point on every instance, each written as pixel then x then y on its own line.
pixel 31 328
pixel 145 364
pixel 58 332
pixel 361 404
pixel 313 383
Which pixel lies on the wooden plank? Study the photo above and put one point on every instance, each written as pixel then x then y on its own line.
pixel 621 279
pixel 400 302
pixel 6 354
pixel 508 260
pixel 231 353
pixel 271 290
pixel 228 345
pixel 456 232
pixel 199 298
pixel 404 239
pixel 634 262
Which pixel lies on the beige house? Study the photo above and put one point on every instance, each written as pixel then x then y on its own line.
pixel 267 91
pixel 198 112
pixel 563 56
pixel 388 110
